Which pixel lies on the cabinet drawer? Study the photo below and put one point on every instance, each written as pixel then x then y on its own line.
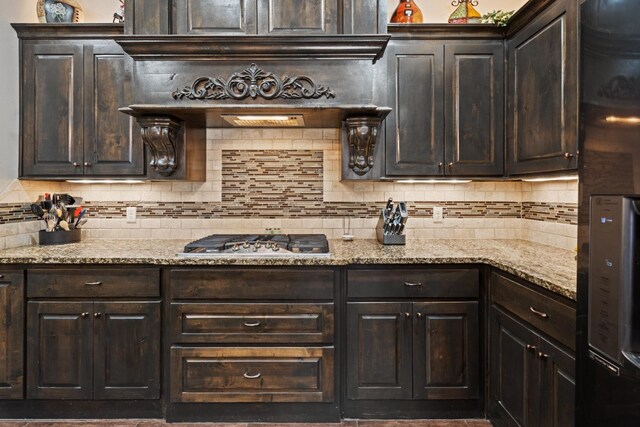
pixel 413 283
pixel 550 316
pixel 245 284
pixel 94 282
pixel 252 374
pixel 252 323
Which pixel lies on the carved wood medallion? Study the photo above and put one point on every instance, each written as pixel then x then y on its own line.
pixel 252 83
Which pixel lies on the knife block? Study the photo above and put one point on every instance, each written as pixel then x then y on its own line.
pixel 59 237
pixel 388 239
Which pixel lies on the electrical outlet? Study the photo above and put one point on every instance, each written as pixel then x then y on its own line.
pixel 438 214
pixel 131 214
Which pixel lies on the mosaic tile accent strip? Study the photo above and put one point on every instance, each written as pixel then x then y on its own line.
pixel 565 213
pixel 10 213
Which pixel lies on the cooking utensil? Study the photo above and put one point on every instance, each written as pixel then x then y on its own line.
pixel 82 213
pixel 37 210
pixel 64 225
pixel 81 223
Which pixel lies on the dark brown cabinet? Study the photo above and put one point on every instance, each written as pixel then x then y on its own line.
pixel 532 378
pixel 11 335
pixel 426 350
pixel 542 131
pixel 448 100
pixel 85 81
pixel 93 350
pixel 215 17
pixel 229 17
pixel 253 335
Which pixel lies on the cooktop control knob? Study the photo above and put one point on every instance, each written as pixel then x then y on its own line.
pixel 246 245
pixel 235 248
pixel 276 248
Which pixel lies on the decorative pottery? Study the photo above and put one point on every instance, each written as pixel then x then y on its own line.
pixel 465 12
pixel 59 11
pixel 407 12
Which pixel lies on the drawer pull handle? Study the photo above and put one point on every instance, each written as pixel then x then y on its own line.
pixel 543 356
pixel 412 285
pixel 84 315
pixel 252 324
pixel 531 347
pixel 93 283
pixel 252 377
pixel 539 313
pixel 1 276
pixel 97 315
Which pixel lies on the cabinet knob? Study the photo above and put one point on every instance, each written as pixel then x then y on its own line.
pixel 538 313
pixel 1 276
pixel 450 165
pixel 542 356
pixel 531 347
pixel 97 315
pixel 87 164
pixel 407 315
pixel 419 315
pixel 440 165
pixel 85 314
pixel 76 164
pixel 568 156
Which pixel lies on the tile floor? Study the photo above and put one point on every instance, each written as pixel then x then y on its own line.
pixel 161 423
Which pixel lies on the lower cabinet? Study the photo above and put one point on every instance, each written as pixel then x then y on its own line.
pixel 11 335
pixel 532 377
pixel 419 350
pixel 252 374
pixel 93 350
pixel 252 335
pixel 413 343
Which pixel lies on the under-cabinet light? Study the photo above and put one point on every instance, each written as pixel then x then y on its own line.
pixel 623 120
pixel 433 181
pixel 552 178
pixel 105 181
pixel 264 120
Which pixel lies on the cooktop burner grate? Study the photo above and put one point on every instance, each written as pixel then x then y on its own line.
pixel 259 244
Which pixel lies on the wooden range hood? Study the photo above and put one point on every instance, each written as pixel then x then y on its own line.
pixel 187 82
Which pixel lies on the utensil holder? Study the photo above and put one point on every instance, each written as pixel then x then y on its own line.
pixel 59 237
pixel 388 239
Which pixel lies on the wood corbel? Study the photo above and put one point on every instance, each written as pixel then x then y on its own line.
pixel 160 134
pixel 362 134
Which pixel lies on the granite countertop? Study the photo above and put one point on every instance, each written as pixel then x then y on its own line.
pixel 551 268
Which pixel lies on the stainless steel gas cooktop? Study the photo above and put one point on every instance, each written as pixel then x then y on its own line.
pixel 259 245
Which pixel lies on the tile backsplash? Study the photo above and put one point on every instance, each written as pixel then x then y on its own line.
pixel 290 179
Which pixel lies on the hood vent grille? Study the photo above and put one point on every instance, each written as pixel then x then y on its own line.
pixel 255 121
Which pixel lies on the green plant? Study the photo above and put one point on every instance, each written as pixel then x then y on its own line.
pixel 499 18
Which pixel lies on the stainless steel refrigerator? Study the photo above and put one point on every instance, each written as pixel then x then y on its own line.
pixel 608 359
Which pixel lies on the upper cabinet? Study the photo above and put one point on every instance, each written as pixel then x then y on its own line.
pixel 542 129
pixel 245 17
pixel 269 17
pixel 448 102
pixel 84 81
pixel 215 17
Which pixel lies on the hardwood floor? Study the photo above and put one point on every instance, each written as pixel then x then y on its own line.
pixel 161 423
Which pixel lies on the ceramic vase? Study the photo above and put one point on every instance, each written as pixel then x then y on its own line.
pixel 59 11
pixel 407 12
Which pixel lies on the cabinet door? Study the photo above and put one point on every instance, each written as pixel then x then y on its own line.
pixel 379 350
pixel 112 141
pixel 558 386
pixel 215 17
pixel 146 17
pixel 364 16
pixel 127 350
pixel 59 350
pixel 474 109
pixel 446 352
pixel 11 335
pixel 543 93
pixel 52 77
pixel 297 16
pixel 514 371
pixel 415 131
